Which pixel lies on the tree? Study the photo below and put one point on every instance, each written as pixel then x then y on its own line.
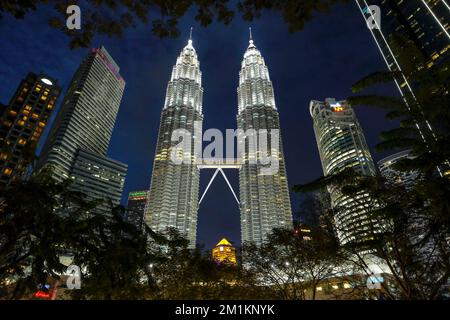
pixel 117 258
pixel 412 223
pixel 32 234
pixel 43 220
pixel 406 239
pixel 113 17
pixel 426 108
pixel 185 273
pixel 288 266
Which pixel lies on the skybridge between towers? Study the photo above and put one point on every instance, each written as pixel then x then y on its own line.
pixel 219 165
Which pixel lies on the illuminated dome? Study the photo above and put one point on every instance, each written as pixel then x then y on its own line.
pixel 224 253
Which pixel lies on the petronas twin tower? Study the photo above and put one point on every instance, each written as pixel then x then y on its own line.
pixel 174 191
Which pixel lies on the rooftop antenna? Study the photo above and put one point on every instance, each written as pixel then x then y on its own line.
pixel 190 34
pixel 251 37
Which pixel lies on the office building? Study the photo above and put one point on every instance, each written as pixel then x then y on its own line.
pixel 78 141
pixel 425 22
pixel 342 145
pixel 174 188
pixel 99 178
pixel 264 197
pixel 406 178
pixel 22 123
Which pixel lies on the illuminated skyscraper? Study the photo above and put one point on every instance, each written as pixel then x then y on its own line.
pixel 79 138
pixel 98 177
pixel 395 176
pixel 23 121
pixel 425 22
pixel 173 196
pixel 224 253
pixel 264 198
pixel 342 145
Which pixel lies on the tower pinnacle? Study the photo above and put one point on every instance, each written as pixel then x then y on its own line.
pixel 190 37
pixel 250 42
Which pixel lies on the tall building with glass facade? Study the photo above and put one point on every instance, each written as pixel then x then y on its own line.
pixel 22 123
pixel 342 145
pixel 98 177
pixel 174 188
pixel 425 22
pixel 79 138
pixel 395 176
pixel 264 198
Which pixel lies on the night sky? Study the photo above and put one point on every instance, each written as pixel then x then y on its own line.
pixel 324 60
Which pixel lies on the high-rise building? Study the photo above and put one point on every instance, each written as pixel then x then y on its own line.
pixel 264 198
pixel 80 135
pixel 425 22
pixel 418 224
pixel 342 145
pixel 395 176
pixel 99 178
pixel 22 123
pixel 173 196
pixel 224 253
pixel 136 207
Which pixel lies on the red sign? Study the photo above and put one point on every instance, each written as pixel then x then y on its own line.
pixel 42 294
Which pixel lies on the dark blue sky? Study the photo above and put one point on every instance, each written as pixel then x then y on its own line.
pixel 324 60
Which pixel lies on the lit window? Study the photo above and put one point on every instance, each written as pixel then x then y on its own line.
pixel 35 116
pixel 41 124
pixel 7 171
pixel 22 141
pixel 12 112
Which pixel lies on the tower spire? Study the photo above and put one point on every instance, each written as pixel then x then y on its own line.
pixel 250 42
pixel 189 45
